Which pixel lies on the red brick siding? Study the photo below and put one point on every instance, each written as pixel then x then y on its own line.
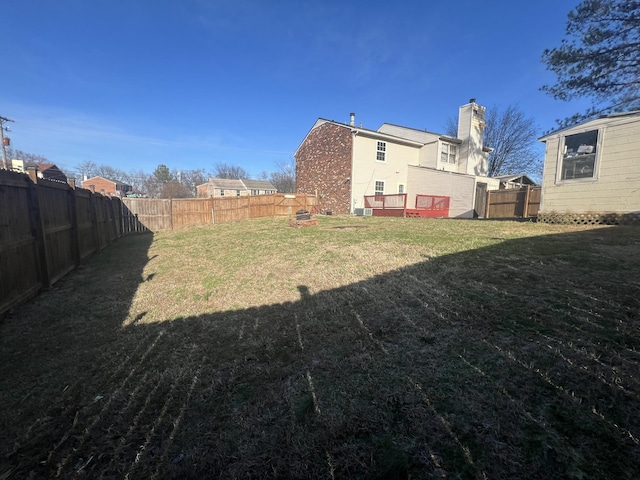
pixel 100 184
pixel 323 165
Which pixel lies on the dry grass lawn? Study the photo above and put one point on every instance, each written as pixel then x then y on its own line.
pixel 360 348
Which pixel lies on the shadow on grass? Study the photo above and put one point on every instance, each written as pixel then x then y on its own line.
pixel 513 361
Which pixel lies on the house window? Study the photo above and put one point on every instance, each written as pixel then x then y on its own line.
pixel 237 193
pixel 579 155
pixel 448 153
pixel 379 188
pixel 222 192
pixel 255 192
pixel 401 188
pixel 381 153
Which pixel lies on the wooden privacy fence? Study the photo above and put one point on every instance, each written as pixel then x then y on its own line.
pixel 513 203
pixel 46 229
pixel 162 214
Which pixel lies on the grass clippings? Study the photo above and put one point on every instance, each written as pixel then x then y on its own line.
pixel 359 348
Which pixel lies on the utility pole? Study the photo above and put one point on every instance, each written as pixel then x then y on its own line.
pixel 3 120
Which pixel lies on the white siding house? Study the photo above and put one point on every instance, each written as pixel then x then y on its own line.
pixel 593 169
pixel 342 163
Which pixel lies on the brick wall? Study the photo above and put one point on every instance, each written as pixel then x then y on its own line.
pixel 101 185
pixel 323 165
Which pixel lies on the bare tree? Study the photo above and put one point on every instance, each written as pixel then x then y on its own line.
pixel 86 169
pixel 285 178
pixel 106 171
pixel 512 135
pixel 137 179
pixel 192 178
pixel 25 156
pixel 222 170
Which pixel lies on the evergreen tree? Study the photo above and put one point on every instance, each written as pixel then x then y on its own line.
pixel 599 58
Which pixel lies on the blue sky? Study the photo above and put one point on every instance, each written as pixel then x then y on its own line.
pixel 190 83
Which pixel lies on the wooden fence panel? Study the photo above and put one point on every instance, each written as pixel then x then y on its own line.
pixel 46 229
pixel 20 272
pixel 129 219
pixel 261 206
pixel 288 204
pixel 191 211
pixel 116 208
pixel 230 209
pixel 102 221
pixel 85 221
pixel 513 203
pixel 158 214
pixel 58 228
pixel 533 205
pixel 153 214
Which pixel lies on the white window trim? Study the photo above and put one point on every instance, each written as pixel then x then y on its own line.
pixel 384 152
pixel 375 192
pixel 596 163
pixel 449 145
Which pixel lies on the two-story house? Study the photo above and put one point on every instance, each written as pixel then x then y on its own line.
pixel 341 163
pixel 106 186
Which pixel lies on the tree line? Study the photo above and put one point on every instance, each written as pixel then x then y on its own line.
pixel 165 182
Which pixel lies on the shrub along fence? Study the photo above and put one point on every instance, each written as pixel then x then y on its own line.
pixel 47 228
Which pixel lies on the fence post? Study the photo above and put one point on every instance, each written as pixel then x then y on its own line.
pixel 488 208
pixel 525 211
pixel 171 213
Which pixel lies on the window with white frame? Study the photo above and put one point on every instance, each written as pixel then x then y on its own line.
pixel 237 193
pixel 401 188
pixel 579 156
pixel 381 152
pixel 448 153
pixel 222 192
pixel 379 187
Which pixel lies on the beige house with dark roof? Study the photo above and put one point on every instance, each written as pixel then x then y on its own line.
pixel 227 187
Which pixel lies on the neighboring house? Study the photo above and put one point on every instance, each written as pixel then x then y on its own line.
pixel 515 181
pixel 48 171
pixel 107 187
pixel 341 163
pixel 593 169
pixel 226 187
pixel 259 187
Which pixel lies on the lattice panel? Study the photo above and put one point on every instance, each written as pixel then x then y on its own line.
pixel 590 218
